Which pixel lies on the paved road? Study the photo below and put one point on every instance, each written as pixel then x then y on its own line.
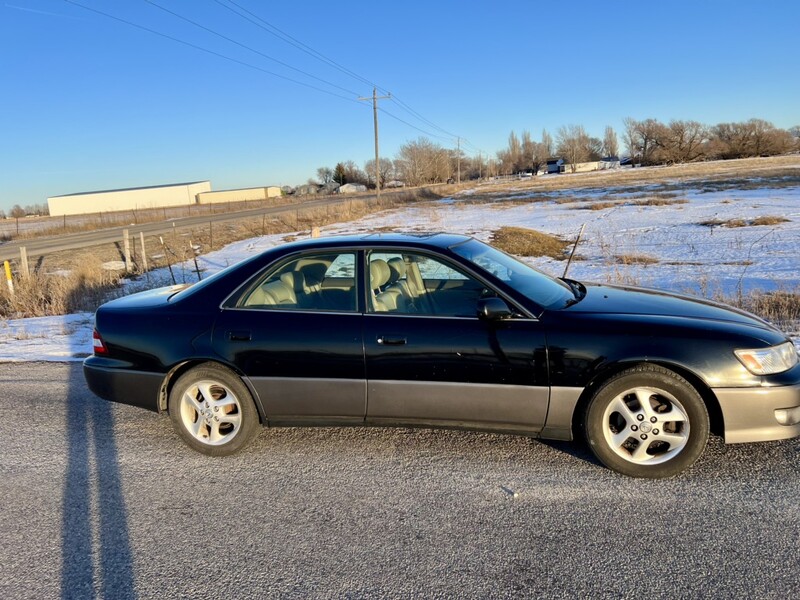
pixel 71 241
pixel 99 500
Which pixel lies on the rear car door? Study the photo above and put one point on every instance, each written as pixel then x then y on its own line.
pixel 295 332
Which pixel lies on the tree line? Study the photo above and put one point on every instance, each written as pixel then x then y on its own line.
pixel 645 142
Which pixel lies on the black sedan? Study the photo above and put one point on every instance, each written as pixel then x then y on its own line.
pixel 442 330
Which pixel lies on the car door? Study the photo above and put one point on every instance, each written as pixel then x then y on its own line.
pixel 431 360
pixel 295 332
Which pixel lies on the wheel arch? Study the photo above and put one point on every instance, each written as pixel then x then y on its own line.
pixel 178 370
pixel 716 419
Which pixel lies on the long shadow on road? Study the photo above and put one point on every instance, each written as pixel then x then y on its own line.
pixel 94 511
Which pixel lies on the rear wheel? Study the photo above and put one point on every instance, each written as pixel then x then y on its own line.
pixel 213 411
pixel 647 422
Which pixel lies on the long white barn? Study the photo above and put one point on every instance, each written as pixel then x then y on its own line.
pixel 177 194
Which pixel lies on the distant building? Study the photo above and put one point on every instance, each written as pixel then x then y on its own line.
pixel 242 195
pixel 609 162
pixel 351 188
pixel 306 190
pixel 176 194
pixel 555 165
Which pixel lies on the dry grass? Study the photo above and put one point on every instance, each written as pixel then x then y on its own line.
pixel 635 259
pixel 735 223
pixel 781 308
pixel 42 294
pixel 768 220
pixel 527 242
pixel 660 201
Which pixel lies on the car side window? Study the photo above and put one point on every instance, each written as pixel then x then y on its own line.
pixel 314 282
pixel 411 283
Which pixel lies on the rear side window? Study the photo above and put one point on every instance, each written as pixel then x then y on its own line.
pixel 313 282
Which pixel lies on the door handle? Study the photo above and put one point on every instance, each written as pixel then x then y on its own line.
pixel 386 340
pixel 240 336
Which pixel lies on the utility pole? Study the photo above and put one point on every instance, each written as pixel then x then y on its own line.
pixel 459 159
pixel 375 99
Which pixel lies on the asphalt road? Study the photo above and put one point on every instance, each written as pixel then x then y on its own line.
pixel 99 500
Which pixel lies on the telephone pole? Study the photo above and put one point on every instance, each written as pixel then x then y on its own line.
pixel 375 99
pixel 459 159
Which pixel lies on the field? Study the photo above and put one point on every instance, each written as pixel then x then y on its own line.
pixel 727 230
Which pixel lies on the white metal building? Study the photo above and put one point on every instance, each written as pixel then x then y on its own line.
pixel 176 194
pixel 259 193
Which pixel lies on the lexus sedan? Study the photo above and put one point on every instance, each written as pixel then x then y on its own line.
pixel 440 330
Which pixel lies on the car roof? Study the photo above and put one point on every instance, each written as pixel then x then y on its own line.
pixel 430 240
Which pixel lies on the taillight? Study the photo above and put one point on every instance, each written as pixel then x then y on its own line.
pixel 98 344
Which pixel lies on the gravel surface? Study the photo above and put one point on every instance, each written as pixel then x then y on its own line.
pixel 100 500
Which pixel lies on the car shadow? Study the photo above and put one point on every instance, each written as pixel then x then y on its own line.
pixel 95 542
pixel 577 449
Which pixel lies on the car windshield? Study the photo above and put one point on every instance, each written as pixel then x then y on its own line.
pixel 542 289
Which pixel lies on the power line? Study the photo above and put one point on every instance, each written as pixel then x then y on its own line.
pixel 246 47
pixel 285 37
pixel 206 50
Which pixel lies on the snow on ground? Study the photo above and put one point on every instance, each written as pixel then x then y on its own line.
pixel 682 250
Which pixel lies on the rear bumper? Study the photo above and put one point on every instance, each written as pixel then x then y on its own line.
pixel 760 414
pixel 115 381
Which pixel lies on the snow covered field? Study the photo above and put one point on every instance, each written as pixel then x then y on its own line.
pixel 705 239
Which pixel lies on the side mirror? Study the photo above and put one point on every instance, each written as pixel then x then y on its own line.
pixel 493 309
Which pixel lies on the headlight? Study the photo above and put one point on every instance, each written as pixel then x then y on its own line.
pixel 768 361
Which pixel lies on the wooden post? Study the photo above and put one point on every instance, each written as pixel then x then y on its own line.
pixel 23 261
pixel 126 244
pixel 144 251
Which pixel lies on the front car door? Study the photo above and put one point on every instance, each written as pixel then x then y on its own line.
pixel 431 360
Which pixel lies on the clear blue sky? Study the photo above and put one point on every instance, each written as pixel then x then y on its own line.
pixel 90 103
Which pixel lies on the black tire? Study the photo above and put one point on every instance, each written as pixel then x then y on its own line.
pixel 212 410
pixel 647 422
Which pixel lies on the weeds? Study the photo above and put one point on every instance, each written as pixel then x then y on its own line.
pixel 527 242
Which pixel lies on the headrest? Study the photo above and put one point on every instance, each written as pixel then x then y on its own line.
pixel 397 268
pixel 378 273
pixel 295 280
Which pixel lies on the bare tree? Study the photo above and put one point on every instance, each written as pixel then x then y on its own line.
pixel 421 161
pixel 17 212
pixel 645 139
pixel 685 141
pixel 574 145
pixel 534 154
pixel 547 143
pixel 325 175
pixel 610 145
pixel 385 170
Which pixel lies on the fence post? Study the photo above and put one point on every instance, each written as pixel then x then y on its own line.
pixel 144 251
pixel 126 244
pixel 23 261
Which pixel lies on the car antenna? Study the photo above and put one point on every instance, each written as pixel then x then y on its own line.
pixel 571 254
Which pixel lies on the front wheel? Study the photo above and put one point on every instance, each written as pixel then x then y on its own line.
pixel 212 410
pixel 647 422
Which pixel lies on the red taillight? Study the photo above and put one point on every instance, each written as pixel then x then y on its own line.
pixel 98 344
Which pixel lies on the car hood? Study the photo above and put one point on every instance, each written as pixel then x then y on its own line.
pixel 610 299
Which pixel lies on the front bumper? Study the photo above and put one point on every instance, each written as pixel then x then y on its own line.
pixel 760 414
pixel 111 380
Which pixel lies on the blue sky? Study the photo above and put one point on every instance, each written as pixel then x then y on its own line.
pixel 89 103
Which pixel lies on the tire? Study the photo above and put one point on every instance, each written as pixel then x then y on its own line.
pixel 212 411
pixel 647 422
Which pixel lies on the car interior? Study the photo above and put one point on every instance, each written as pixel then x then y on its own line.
pixel 401 283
